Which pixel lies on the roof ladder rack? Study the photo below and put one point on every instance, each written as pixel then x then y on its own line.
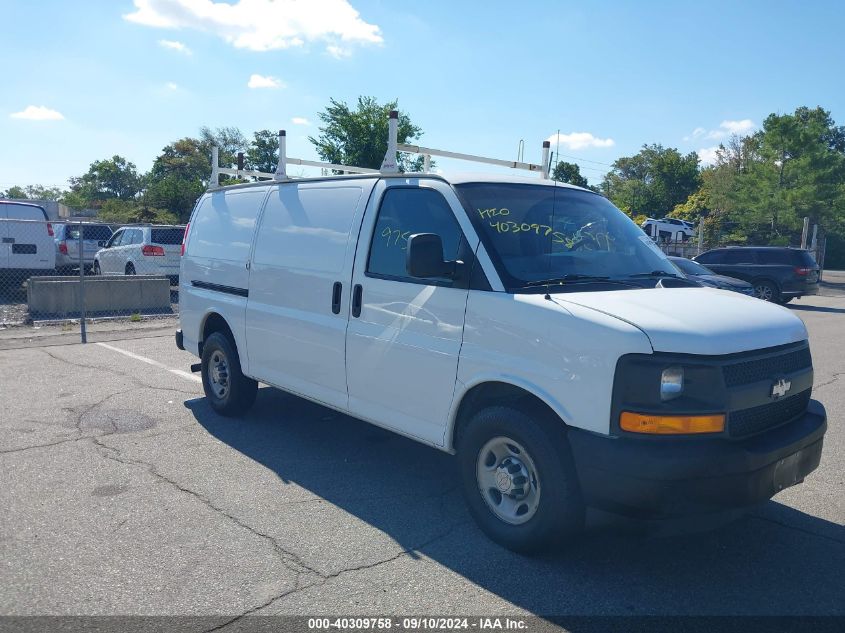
pixel 390 164
pixel 281 168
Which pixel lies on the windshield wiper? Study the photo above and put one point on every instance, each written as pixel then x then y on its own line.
pixel 575 278
pixel 656 273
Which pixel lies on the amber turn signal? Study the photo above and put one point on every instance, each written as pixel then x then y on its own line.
pixel 671 424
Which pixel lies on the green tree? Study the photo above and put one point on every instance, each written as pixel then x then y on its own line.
pixel 32 192
pixel 569 172
pixel 128 211
pixel 263 152
pixel 359 137
pixel 793 167
pixel 15 193
pixel 178 176
pixel 229 141
pixel 40 192
pixel 113 177
pixel 653 181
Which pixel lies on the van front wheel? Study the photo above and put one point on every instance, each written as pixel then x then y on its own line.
pixel 229 392
pixel 519 480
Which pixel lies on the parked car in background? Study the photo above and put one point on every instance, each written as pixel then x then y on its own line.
pixel 778 273
pixel 141 250
pixel 694 270
pixel 26 241
pixel 668 229
pixel 94 237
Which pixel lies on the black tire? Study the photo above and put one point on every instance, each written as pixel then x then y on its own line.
pixel 784 300
pixel 96 269
pixel 130 269
pixel 240 391
pixel 766 290
pixel 559 510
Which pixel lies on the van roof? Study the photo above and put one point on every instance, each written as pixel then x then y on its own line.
pixel 454 178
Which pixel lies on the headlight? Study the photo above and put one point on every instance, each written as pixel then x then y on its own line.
pixel 671 383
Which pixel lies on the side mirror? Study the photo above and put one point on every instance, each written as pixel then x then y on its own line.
pixel 425 257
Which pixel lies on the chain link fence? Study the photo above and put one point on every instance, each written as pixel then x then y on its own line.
pixel 83 272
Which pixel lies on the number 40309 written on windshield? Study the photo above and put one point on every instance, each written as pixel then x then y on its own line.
pixel 509 226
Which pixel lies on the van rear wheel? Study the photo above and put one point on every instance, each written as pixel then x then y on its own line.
pixel 229 392
pixel 518 480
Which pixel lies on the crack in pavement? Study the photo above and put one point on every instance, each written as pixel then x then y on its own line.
pixel 346 570
pixel 80 415
pixel 129 376
pixel 34 446
pixel 833 379
pixel 289 559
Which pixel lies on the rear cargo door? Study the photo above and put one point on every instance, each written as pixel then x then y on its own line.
pixel 28 239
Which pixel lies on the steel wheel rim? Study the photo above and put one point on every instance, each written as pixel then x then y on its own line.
pixel 508 480
pixel 218 374
pixel 763 292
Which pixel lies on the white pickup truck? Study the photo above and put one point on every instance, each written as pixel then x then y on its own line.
pixel 527 326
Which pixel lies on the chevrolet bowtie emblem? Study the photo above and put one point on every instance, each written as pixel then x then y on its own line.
pixel 780 388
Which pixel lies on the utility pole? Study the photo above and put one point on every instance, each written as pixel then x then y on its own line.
pixel 805 231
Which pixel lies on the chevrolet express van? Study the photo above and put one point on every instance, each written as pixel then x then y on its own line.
pixel 527 326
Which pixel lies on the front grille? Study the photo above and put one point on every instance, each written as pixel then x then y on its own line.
pixel 767 416
pixel 749 371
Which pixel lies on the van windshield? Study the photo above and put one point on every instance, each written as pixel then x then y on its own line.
pixel 539 233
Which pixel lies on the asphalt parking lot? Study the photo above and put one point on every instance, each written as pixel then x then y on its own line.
pixel 123 493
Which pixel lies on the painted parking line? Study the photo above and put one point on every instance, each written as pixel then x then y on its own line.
pixel 154 363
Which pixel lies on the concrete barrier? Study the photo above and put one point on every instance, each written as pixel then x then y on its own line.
pixel 50 297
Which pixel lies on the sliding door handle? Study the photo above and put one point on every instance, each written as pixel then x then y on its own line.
pixel 356 300
pixel 336 293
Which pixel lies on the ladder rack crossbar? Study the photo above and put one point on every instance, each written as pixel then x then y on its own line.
pixel 348 168
pixel 427 151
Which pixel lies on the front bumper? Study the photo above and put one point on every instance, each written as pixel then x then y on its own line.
pixel 665 478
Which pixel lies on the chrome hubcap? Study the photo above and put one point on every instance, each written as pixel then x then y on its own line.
pixel 763 292
pixel 507 480
pixel 218 373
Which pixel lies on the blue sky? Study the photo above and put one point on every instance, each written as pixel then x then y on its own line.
pixel 85 80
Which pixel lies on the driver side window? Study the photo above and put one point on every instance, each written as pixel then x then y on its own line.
pixel 405 211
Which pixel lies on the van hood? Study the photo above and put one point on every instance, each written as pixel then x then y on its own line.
pixel 695 320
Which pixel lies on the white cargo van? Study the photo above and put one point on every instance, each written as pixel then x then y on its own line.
pixel 527 326
pixel 26 241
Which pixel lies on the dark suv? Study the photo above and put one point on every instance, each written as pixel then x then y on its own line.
pixel 778 274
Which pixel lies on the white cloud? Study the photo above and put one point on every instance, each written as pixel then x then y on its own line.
pixel 300 120
pixel 38 113
pixel 175 46
pixel 263 25
pixel 737 127
pixel 579 140
pixel 338 52
pixel 172 86
pixel 262 81
pixel 707 155
pixel 696 133
pixel 725 129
